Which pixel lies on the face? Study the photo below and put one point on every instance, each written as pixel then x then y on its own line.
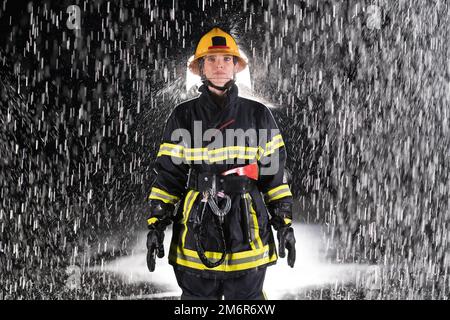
pixel 219 68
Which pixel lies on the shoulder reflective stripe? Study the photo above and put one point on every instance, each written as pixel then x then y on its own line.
pixel 287 221
pixel 162 195
pixel 278 193
pixel 189 201
pixel 152 220
pixel 255 224
pixel 191 260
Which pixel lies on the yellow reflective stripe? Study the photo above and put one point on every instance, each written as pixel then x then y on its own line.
pixel 195 150
pixel 229 256
pixel 238 156
pixel 252 226
pixel 259 153
pixel 169 149
pixel 233 148
pixel 220 154
pixel 273 190
pixel 192 260
pixel 152 220
pixel 287 221
pixel 272 150
pixel 270 147
pixel 224 267
pixel 189 201
pixel 278 193
pixel 274 140
pixel 281 195
pixel 162 195
pixel 255 223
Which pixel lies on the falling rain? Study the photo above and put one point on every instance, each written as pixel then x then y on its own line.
pixel 361 93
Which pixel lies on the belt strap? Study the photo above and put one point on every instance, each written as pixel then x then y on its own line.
pixel 228 184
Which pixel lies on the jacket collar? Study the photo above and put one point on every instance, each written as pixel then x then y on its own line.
pixel 231 96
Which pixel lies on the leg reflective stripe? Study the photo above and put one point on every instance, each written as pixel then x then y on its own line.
pixel 162 195
pixel 189 201
pixel 264 295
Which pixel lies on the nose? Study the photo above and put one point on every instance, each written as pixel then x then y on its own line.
pixel 219 63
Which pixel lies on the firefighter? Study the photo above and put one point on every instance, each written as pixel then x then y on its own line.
pixel 222 158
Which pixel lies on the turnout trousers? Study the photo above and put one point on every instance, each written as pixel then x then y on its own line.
pixel 246 287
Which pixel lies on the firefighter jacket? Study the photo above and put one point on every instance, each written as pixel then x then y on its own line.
pixel 195 138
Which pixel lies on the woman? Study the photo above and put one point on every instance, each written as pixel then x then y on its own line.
pixel 223 157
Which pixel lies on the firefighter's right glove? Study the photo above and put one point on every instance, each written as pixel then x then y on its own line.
pixel 155 246
pixel 160 218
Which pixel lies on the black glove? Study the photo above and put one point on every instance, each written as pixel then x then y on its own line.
pixel 155 247
pixel 160 218
pixel 286 240
pixel 281 213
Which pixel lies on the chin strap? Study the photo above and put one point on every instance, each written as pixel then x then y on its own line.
pixel 227 85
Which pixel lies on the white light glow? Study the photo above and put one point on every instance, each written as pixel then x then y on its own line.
pixel 310 269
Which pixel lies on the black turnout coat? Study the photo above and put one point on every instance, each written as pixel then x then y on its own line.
pixel 188 146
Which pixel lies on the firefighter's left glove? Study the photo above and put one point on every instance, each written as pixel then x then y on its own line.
pixel 281 220
pixel 286 240
pixel 160 218
pixel 155 247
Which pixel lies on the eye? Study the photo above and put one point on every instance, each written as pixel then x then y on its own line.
pixel 211 59
pixel 227 59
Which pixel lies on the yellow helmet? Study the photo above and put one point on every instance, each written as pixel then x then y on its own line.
pixel 214 42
